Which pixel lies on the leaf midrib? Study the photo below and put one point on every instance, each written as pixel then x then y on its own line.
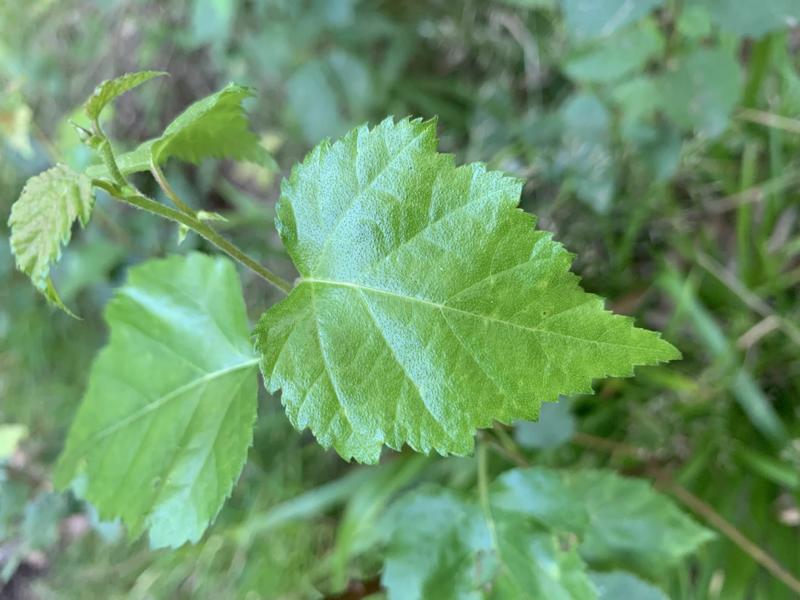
pixel 162 400
pixel 444 307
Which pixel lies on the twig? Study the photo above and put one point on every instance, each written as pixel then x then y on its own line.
pixel 730 531
pixel 770 120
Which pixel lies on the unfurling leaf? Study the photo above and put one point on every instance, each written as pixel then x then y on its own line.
pixel 215 127
pixel 163 431
pixel 429 306
pixel 112 88
pixel 41 222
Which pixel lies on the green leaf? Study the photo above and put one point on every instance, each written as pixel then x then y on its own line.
pixel 429 306
pixel 41 222
pixel 42 518
pixel 752 19
pixel 618 56
pixel 618 585
pixel 585 160
pixel 702 91
pixel 620 521
pixel 215 127
pixel 212 21
pixel 442 546
pixel 163 431
pixel 555 426
pixel 600 18
pixel 10 437
pixel 112 88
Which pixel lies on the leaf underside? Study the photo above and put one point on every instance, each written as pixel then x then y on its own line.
pixel 443 546
pixel 41 222
pixel 616 518
pixel 163 430
pixel 534 539
pixel 429 306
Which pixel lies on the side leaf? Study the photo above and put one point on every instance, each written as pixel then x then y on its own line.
pixel 752 19
pixel 620 521
pixel 617 585
pixel 442 546
pixel 163 431
pixel 703 89
pixel 215 127
pixel 41 222
pixel 429 306
pixel 112 88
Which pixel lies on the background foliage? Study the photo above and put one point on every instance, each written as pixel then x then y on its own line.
pixel 658 142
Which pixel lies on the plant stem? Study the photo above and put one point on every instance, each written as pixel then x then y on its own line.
pixel 203 229
pixel 732 533
pixel 167 188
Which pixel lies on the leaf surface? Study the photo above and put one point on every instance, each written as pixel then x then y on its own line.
pixel 429 306
pixel 442 546
pixel 752 19
pixel 163 430
pixel 617 56
pixel 702 91
pixel 109 89
pixel 41 222
pixel 599 18
pixel 619 585
pixel 620 521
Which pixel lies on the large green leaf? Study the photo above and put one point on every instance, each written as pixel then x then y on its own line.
pixel 620 521
pixel 443 546
pixel 112 88
pixel 163 431
pixel 41 222
pixel 215 127
pixel 428 306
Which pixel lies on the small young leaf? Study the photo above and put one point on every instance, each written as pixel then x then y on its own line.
pixel 429 306
pixel 41 222
pixel 621 521
pixel 214 127
pixel 112 88
pixel 442 546
pixel 164 428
